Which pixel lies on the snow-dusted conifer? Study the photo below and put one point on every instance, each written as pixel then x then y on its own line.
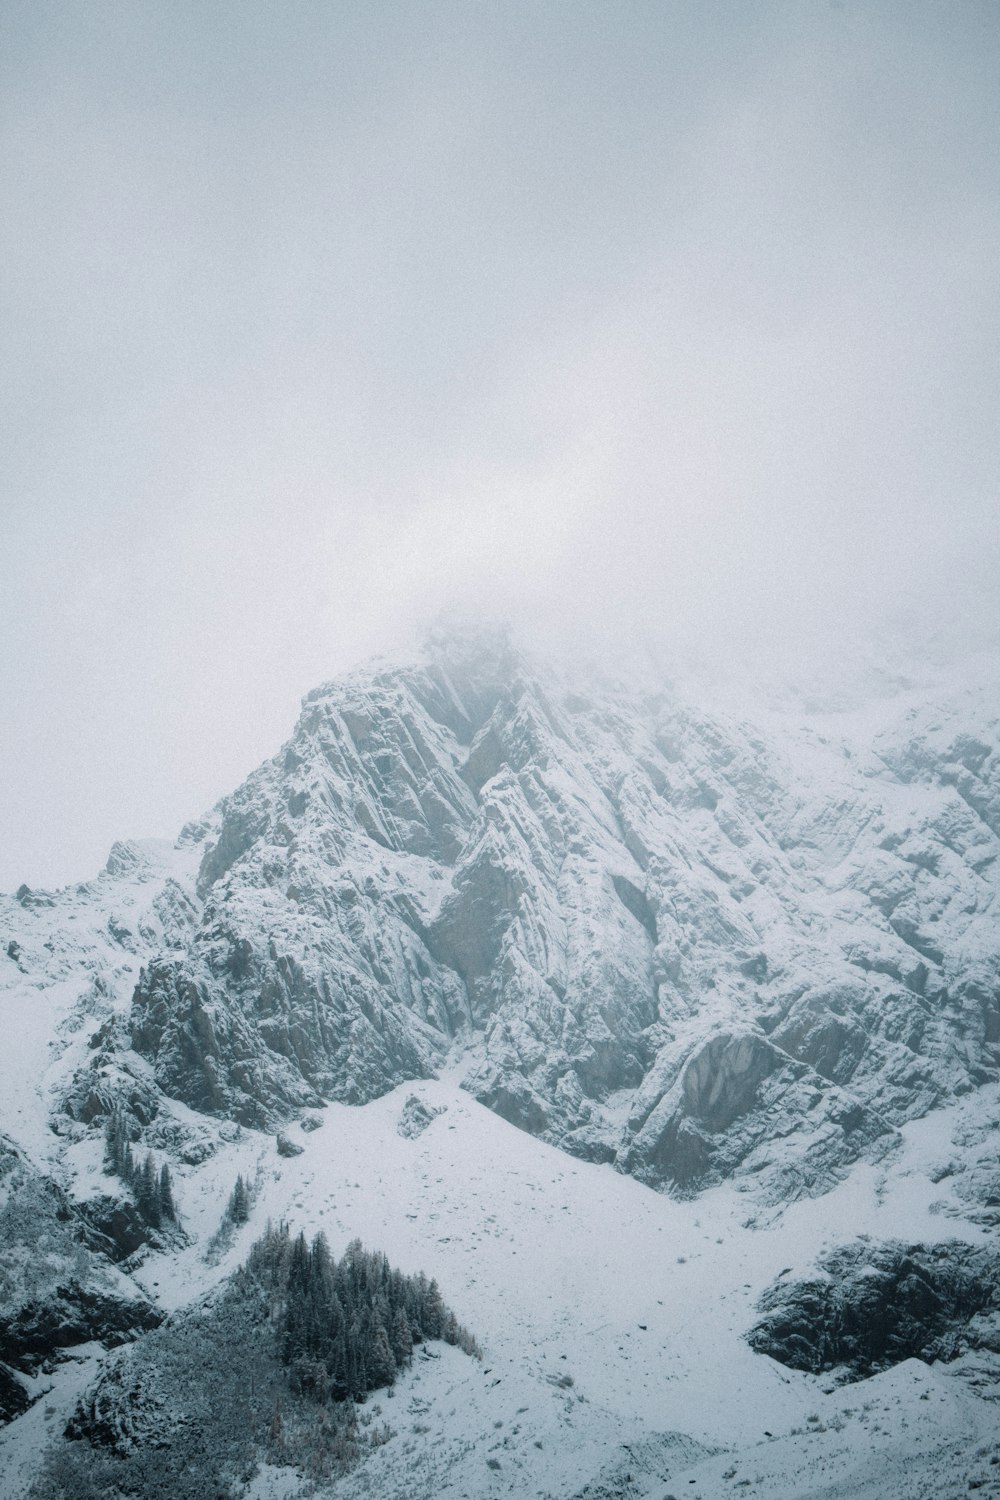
pixel 147 1191
pixel 238 1210
pixel 114 1144
pixel 380 1361
pixel 168 1210
pixel 402 1337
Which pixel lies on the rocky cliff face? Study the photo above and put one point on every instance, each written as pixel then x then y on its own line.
pixel 58 1284
pixel 664 938
pixel 656 935
pixel 869 1306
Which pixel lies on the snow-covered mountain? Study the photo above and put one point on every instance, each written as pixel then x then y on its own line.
pixel 749 962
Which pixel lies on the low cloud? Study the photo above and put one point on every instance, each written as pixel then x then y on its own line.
pixel 672 325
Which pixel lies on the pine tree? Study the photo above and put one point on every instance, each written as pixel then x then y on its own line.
pixel 338 1366
pixel 361 1386
pixel 114 1144
pixel 299 1266
pixel 238 1210
pixel 322 1260
pixel 351 1364
pixel 345 1328
pixel 166 1196
pixel 401 1337
pixel 433 1312
pixel 380 1361
pixel 147 1191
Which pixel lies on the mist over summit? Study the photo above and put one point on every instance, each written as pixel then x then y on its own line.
pixel 675 324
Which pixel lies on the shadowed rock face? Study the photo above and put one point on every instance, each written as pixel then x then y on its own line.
pixel 71 1314
pixel 14 1398
pixel 661 936
pixel 59 1285
pixel 119 1224
pixel 719 1117
pixel 871 1306
pixel 720 1082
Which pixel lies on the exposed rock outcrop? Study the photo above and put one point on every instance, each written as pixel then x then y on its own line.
pixel 14 1397
pixel 71 1313
pixel 870 1306
pixel 721 1113
pixel 59 1286
pixel 414 1117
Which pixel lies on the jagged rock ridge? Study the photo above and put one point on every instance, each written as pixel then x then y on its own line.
pixel 660 936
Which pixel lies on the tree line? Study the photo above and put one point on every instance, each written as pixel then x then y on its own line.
pixel 152 1189
pixel 274 1367
pixel 346 1327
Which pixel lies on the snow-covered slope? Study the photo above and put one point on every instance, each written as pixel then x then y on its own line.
pixel 612 1319
pixel 753 964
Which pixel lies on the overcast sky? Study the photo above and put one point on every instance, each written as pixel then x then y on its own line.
pixel 630 319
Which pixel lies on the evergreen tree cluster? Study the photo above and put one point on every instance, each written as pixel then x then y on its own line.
pixel 273 1368
pixel 152 1189
pixel 346 1327
pixel 235 1213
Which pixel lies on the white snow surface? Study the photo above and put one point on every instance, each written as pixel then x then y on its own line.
pixel 611 1317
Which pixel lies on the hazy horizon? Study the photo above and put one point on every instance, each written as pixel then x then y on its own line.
pixel 664 324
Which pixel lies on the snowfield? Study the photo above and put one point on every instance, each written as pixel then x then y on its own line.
pixel 611 1317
